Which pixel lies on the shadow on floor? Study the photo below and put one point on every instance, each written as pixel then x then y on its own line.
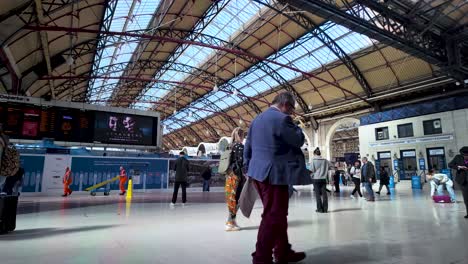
pixel 293 223
pixel 35 233
pixel 348 254
pixel 345 209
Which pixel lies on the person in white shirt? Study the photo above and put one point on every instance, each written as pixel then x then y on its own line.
pixel 438 181
pixel 356 177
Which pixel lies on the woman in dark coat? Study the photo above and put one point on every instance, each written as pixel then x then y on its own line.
pixel 460 164
pixel 384 180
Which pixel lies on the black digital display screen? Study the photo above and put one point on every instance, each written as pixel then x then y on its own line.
pixel 22 121
pixel 120 128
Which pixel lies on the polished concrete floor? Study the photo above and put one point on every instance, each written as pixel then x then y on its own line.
pixel 406 227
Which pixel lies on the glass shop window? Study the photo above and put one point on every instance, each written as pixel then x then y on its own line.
pixel 405 130
pixel 432 127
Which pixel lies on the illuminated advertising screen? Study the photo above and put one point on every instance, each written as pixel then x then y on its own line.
pixel 31 118
pixel 118 128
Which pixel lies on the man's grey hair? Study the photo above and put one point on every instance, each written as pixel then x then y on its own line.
pixel 365 158
pixel 284 98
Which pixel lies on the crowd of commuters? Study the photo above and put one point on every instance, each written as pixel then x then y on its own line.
pixel 271 162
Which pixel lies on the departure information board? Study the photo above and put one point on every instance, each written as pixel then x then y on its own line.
pixel 74 125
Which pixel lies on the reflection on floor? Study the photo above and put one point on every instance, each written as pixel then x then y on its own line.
pixel 406 227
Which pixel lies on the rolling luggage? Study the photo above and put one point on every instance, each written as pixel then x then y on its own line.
pixel 441 199
pixel 8 207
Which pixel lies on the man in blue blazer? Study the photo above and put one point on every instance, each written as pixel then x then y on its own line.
pixel 274 161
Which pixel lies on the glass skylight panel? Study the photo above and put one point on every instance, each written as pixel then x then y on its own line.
pixel 312 54
pixel 122 52
pixel 229 20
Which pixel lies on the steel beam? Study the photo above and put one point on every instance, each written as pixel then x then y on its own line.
pixel 386 25
pixel 108 15
pixel 44 44
pixel 205 41
pixel 15 81
pixel 316 30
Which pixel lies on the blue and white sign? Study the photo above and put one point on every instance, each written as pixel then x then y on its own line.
pixel 422 164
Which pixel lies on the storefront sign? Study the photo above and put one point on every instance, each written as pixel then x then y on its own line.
pixel 385 155
pixel 409 154
pixel 436 152
pixel 412 140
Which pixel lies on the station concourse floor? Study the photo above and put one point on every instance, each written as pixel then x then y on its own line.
pixel 406 227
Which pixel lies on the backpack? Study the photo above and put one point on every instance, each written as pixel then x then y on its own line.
pixel 10 161
pixel 225 161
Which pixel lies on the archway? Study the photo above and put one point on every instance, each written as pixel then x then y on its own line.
pixel 342 137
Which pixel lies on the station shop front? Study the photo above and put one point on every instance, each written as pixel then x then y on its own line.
pixel 411 146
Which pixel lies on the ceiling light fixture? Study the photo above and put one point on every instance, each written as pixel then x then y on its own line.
pixel 190 114
pixel 235 92
pixel 215 88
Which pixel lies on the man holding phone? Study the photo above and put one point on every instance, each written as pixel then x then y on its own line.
pixel 460 164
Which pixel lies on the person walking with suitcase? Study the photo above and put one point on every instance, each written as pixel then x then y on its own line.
pixel 438 181
pixel 67 181
pixel 181 168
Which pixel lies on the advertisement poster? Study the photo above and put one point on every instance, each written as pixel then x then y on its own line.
pixel 54 169
pixel 195 170
pixel 123 129
pixel 147 173
pixel 33 167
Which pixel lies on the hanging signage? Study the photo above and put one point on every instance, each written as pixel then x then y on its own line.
pixel 436 152
pixel 395 164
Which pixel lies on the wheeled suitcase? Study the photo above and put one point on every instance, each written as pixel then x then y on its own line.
pixel 441 199
pixel 8 208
